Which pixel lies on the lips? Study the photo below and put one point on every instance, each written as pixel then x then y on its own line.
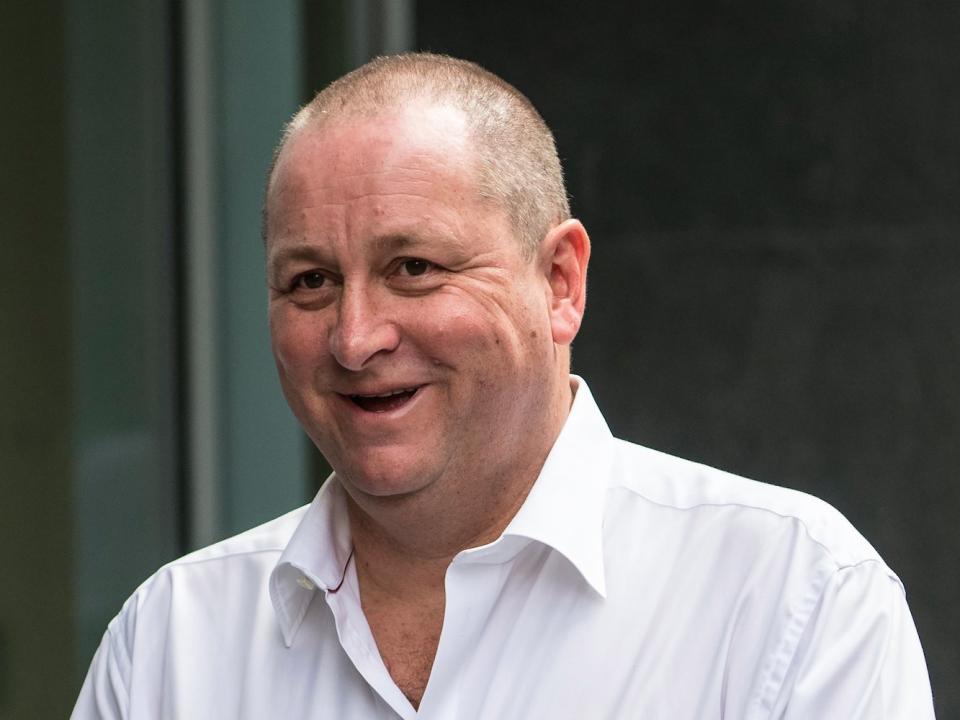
pixel 384 402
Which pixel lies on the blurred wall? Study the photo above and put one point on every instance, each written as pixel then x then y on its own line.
pixel 35 612
pixel 99 330
pixel 772 193
pixel 125 474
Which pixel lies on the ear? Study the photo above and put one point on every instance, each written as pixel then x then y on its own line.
pixel 563 257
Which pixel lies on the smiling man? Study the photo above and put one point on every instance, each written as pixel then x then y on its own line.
pixel 485 547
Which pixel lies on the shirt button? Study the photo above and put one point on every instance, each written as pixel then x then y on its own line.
pixel 304 582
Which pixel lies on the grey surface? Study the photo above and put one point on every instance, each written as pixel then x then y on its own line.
pixel 258 88
pixel 122 311
pixel 772 193
pixel 36 642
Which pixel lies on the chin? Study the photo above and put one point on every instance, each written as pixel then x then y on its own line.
pixel 383 480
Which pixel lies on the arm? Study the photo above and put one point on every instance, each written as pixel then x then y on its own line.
pixel 105 691
pixel 860 656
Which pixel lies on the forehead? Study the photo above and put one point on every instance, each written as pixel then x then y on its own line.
pixel 346 156
pixel 412 174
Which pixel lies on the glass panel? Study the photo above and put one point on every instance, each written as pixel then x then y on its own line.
pixel 123 311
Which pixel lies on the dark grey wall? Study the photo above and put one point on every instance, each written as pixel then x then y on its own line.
pixel 36 603
pixel 773 193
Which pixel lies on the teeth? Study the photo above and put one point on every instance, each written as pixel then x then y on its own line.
pixel 387 394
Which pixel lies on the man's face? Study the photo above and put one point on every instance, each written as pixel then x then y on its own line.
pixel 412 338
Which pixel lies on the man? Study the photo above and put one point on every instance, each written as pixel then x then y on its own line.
pixel 485 548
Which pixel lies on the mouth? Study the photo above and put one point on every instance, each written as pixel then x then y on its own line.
pixel 384 402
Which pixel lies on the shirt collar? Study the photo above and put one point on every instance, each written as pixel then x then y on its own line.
pixel 564 510
pixel 315 557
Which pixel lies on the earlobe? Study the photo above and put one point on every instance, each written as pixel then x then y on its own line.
pixel 566 253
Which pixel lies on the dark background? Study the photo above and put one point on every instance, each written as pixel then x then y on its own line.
pixel 773 193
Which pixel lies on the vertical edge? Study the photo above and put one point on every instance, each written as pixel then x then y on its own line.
pixel 398 30
pixel 360 23
pixel 200 255
pixel 380 27
pixel 258 73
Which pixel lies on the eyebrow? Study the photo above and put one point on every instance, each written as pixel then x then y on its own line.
pixel 293 253
pixel 401 241
pixel 386 243
pixel 288 254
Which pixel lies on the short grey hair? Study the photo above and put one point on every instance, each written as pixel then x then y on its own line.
pixel 518 161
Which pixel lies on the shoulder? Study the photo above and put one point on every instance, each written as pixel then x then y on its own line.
pixel 214 575
pixel 182 615
pixel 264 542
pixel 682 491
pixel 774 582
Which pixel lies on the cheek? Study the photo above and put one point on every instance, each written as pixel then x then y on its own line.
pixel 450 328
pixel 480 330
pixel 296 339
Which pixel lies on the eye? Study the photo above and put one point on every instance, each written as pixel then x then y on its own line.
pixel 312 280
pixel 415 266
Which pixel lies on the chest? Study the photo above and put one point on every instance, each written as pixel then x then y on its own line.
pixel 547 648
pixel 517 641
pixel 407 636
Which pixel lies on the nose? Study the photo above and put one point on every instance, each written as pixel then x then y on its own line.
pixel 363 329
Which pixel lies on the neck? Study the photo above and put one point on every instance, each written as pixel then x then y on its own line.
pixel 404 544
pixel 404 551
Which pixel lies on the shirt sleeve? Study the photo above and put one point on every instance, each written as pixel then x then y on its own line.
pixel 860 656
pixel 105 691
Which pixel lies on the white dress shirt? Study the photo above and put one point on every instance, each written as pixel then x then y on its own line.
pixel 630 584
